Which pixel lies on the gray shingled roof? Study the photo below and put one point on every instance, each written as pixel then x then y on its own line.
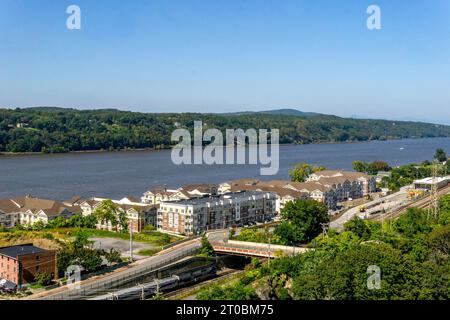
pixel 15 251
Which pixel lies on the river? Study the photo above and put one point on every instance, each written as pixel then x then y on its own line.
pixel 119 174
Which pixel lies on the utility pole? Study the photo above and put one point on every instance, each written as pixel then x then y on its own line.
pixel 434 198
pixel 324 229
pixel 225 239
pixel 131 243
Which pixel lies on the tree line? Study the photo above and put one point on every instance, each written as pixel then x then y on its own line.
pixel 56 130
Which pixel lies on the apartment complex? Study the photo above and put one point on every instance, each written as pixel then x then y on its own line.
pixel 285 191
pixel 138 214
pixel 194 216
pixel 29 210
pixel 282 193
pixel 329 187
pixel 20 264
pixel 158 195
pixel 347 181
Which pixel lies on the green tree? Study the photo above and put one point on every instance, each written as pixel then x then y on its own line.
pixel 302 221
pixel 79 251
pixel 43 278
pixel 359 166
pixel 344 275
pixel 113 256
pixel 413 222
pixel 302 171
pixel 206 249
pixel 109 212
pixel 358 227
pixel 380 166
pixel 440 155
pixel 444 210
pixel 439 240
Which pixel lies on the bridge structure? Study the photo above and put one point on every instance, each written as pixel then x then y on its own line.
pixel 254 249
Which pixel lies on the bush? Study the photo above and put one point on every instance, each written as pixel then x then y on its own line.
pixel 149 227
pixel 43 279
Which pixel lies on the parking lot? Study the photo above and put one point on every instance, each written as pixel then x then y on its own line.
pixel 123 246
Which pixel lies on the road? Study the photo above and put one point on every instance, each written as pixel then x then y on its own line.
pixel 390 201
pixel 103 283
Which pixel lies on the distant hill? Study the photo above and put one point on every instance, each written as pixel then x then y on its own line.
pixel 285 112
pixel 52 129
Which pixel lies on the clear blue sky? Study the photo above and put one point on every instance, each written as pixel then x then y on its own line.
pixel 229 55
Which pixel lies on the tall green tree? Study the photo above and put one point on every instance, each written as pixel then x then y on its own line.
pixel 110 212
pixel 358 227
pixel 440 155
pixel 302 221
pixel 302 171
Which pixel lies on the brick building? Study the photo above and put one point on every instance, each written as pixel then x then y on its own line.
pixel 20 264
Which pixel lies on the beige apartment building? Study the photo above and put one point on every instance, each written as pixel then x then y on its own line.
pixel 138 214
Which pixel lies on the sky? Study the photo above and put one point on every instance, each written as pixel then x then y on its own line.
pixel 229 55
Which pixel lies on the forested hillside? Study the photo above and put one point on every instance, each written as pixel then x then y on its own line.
pixel 63 130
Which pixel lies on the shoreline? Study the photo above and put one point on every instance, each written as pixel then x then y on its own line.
pixel 12 154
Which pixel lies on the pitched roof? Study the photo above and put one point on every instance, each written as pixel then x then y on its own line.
pixel 329 181
pixel 341 173
pixel 8 206
pixel 29 203
pixel 310 186
pixel 75 200
pixel 132 198
pixel 205 188
pixel 139 209
pixel 244 182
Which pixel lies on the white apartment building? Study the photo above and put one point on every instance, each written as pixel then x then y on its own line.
pixel 194 216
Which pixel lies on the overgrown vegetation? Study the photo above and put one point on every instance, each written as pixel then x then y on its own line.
pixel 206 250
pixel 63 130
pixel 412 253
pixel 81 252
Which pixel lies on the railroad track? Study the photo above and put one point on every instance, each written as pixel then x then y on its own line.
pixel 421 204
pixel 222 276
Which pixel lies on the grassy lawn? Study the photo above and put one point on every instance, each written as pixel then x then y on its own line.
pixel 148 252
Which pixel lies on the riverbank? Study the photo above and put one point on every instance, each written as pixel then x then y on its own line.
pixel 3 153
